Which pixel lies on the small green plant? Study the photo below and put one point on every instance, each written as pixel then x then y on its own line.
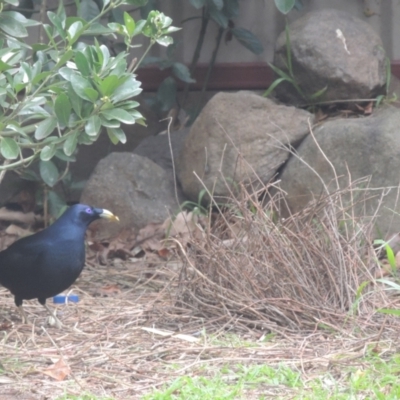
pixel 196 208
pixel 290 77
pixel 389 253
pixel 386 98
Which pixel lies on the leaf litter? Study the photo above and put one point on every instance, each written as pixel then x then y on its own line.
pixel 128 334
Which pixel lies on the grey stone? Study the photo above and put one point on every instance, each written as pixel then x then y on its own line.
pixel 238 138
pixel 158 148
pixel 356 148
pixel 134 188
pixel 354 69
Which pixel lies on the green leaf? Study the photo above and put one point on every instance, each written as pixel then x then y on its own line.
pixel 45 128
pixel 248 40
pixel 284 6
pixel 92 94
pixel 105 54
pixel 12 26
pixel 70 20
pixel 62 156
pixel 219 17
pixel 119 115
pixel 110 123
pixel 88 10
pixel 139 27
pixel 273 85
pixel 108 85
pixel 165 41
pixel 82 63
pixel 74 32
pixel 182 72
pixel 75 100
pixel 388 282
pixel 129 23
pixel 64 58
pixel 198 3
pixel 281 73
pixel 218 4
pixel 30 175
pixel 48 172
pixel 231 8
pixel 390 311
pixel 318 93
pixel 56 21
pixel 62 108
pixel 70 144
pixel 97 29
pixel 67 73
pixel 79 84
pixel 9 148
pixel 130 88
pixel 14 3
pixel 116 135
pixel 47 152
pixel 93 125
pixel 40 77
pixel 57 205
pixel 166 93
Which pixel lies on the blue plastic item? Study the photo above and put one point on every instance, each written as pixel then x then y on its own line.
pixel 63 299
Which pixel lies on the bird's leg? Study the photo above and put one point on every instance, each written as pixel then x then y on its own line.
pixel 23 315
pixel 53 314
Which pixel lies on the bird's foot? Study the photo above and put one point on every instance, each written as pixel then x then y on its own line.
pixel 53 320
pixel 23 315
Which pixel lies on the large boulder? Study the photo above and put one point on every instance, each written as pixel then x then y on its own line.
pixel 238 137
pixel 332 49
pixel 164 149
pixel 356 148
pixel 134 188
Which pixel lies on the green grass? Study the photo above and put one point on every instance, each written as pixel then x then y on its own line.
pixel 372 378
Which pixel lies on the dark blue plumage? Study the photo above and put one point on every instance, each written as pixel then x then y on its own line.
pixel 46 263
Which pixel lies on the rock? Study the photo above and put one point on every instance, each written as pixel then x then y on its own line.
pixel 243 135
pixel 349 62
pixel 158 149
pixel 361 147
pixel 134 188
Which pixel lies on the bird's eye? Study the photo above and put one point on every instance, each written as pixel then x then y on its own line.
pixel 89 210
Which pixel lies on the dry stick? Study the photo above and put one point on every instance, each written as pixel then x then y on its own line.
pixel 335 230
pixel 61 356
pixel 3 172
pixel 380 334
pixel 172 158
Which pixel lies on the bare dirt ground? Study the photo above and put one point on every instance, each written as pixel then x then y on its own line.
pixel 126 338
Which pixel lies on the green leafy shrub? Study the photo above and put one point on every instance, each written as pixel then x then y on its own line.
pixel 64 92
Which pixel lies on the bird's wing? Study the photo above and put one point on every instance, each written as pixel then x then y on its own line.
pixel 19 260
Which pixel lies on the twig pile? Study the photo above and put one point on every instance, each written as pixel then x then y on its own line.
pixel 295 274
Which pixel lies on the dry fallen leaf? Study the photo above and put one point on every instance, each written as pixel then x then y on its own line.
pixel 184 227
pixel 109 290
pixel 149 237
pixel 58 371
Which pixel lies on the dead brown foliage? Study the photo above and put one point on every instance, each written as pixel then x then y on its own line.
pixel 305 272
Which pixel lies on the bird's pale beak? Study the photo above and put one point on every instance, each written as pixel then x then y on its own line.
pixel 109 215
